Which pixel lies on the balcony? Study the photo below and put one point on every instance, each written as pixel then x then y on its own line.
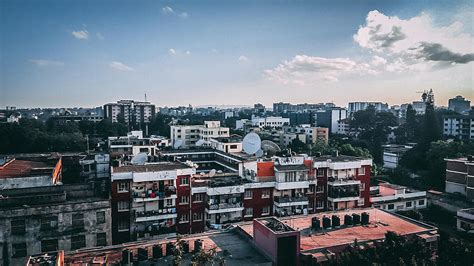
pixel 285 201
pixel 163 214
pixel 343 193
pixel 154 194
pixel 224 207
pixel 334 181
pixel 283 185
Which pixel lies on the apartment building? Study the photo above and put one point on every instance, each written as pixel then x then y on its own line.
pixel 460 176
pixel 465 220
pixel 262 122
pixel 359 106
pixel 459 104
pixel 392 154
pixel 186 136
pixel 232 144
pixel 329 118
pixel 149 200
pixel 41 211
pixel 306 133
pixel 392 198
pixel 459 126
pixel 128 146
pixel 133 112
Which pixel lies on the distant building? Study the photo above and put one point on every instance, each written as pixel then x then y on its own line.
pixel 359 106
pixel 392 153
pixel 305 133
pixel 230 144
pixel 262 122
pixel 125 147
pixel 185 136
pixel 329 118
pixel 465 220
pixel 393 198
pixel 459 104
pixel 281 107
pixel 343 126
pixel 133 112
pixel 299 118
pixel 42 211
pixel 460 176
pixel 459 126
pixel 64 119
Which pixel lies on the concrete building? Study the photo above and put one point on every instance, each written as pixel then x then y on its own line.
pixel 359 106
pixel 459 104
pixel 232 144
pixel 306 133
pixel 393 198
pixel 42 211
pixel 281 107
pixel 465 220
pixel 460 176
pixel 70 118
pixel 186 136
pixel 125 147
pixel 133 112
pixel 459 126
pixel 343 127
pixel 392 153
pixel 262 122
pixel 329 118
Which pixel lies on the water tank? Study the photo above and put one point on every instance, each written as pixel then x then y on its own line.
pixel 365 218
pixel 347 220
pixel 355 218
pixel 197 245
pixel 336 221
pixel 326 222
pixel 142 254
pixel 315 223
pixel 186 247
pixel 157 251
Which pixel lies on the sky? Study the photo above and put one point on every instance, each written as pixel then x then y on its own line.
pixel 87 53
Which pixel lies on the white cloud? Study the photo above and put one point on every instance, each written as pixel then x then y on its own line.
pixel 100 36
pixel 167 10
pixel 172 51
pixel 183 15
pixel 378 61
pixel 44 62
pixel 120 66
pixel 305 70
pixel 243 58
pixel 416 40
pixel 188 52
pixel 81 34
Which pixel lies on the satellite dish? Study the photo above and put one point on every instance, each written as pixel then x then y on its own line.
pixel 259 153
pixel 251 143
pixel 178 143
pixel 270 147
pixel 139 159
pixel 200 142
pixel 212 173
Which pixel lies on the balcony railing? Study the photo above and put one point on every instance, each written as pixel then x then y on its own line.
pixel 335 194
pixel 283 199
pixel 222 206
pixel 156 213
pixel 155 193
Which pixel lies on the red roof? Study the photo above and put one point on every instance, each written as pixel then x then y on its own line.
pixel 23 168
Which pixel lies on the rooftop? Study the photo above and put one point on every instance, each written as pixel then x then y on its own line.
pixel 154 167
pixel 11 168
pixel 339 158
pixel 297 167
pixel 231 139
pixel 220 180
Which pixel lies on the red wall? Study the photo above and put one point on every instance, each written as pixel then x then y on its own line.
pixel 120 237
pixel 183 190
pixel 257 203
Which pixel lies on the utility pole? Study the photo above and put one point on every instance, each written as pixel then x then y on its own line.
pixel 87 141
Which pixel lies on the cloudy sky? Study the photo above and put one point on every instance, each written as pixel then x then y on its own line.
pixel 89 52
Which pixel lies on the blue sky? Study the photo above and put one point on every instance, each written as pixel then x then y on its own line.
pixel 87 53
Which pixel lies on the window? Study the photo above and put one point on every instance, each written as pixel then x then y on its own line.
pixel 48 223
pixel 362 186
pixel 265 194
pixel 319 172
pixel 18 226
pixel 101 239
pixel 78 220
pixel 184 218
pixel 184 200
pixel 123 206
pixel 198 197
pixel 311 189
pixel 421 202
pixel 169 202
pixel 78 242
pixel 123 225
pixel 248 194
pixel 266 210
pixel 408 204
pixel 362 171
pixel 123 187
pixel 197 216
pixel 391 206
pixel 19 250
pixel 184 181
pixel 320 189
pixel 100 217
pixel 49 245
pixel 249 212
pixel 361 202
pixel 319 204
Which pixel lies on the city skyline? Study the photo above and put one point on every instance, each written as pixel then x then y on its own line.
pixel 58 54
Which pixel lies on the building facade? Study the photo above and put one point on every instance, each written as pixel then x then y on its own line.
pixel 133 112
pixel 459 104
pixel 186 136
pixel 359 106
pixel 459 126
pixel 460 176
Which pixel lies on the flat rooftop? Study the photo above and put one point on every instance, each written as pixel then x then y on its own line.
pixel 154 167
pixel 12 168
pixel 236 249
pixel 380 222
pixel 219 180
pixel 339 158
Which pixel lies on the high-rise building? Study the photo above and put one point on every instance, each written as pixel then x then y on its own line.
pixel 459 104
pixel 133 112
pixel 359 106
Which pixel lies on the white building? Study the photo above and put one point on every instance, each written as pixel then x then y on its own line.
pixel 186 136
pixel 392 153
pixel 230 144
pixel 459 126
pixel 465 220
pixel 343 127
pixel 392 198
pixel 263 122
pixel 133 112
pixel 359 106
